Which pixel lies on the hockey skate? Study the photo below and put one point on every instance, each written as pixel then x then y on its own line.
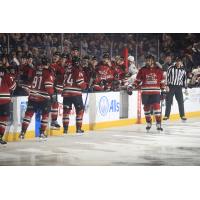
pixel 183 119
pixel 65 130
pixel 159 128
pixel 165 118
pixel 55 125
pixel 79 132
pixel 148 127
pixel 42 136
pixel 2 141
pixel 22 135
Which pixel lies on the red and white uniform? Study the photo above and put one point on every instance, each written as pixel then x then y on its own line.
pixel 7 85
pixel 103 72
pixel 88 73
pixel 120 71
pixel 25 74
pixel 59 76
pixel 74 82
pixel 42 85
pixel 150 80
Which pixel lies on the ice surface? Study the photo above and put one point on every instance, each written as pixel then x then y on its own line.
pixel 179 144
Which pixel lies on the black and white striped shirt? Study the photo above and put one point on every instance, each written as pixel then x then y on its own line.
pixel 176 76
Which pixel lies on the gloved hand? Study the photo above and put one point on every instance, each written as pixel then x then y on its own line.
pixel 163 95
pixel 186 92
pixel 130 89
pixel 167 89
pixel 103 83
pixel 53 98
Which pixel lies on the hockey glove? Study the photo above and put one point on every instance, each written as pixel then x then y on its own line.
pixel 163 95
pixel 130 89
pixel 103 83
pixel 186 92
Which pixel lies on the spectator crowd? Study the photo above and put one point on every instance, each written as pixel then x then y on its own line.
pixel 97 50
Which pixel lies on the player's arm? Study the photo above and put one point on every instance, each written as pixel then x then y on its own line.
pixel 162 82
pixel 11 83
pixel 139 78
pixel 80 81
pixel 48 84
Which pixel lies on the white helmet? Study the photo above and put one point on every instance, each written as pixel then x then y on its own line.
pixel 131 58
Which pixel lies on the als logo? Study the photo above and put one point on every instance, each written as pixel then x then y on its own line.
pixel 105 106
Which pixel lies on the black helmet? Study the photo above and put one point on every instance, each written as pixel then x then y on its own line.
pixel 94 58
pixel 64 55
pixel 29 55
pixel 75 49
pixel 86 57
pixel 24 56
pixel 106 55
pixel 4 56
pixel 57 53
pixel 178 58
pixel 150 57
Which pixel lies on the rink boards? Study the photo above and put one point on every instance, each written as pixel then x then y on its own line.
pixel 104 109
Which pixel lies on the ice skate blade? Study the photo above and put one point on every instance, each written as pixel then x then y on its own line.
pixel 79 134
pixel 54 128
pixel 40 139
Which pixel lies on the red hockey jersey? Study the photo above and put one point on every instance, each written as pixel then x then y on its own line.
pixel 42 85
pixel 7 85
pixel 150 80
pixel 103 73
pixel 119 72
pixel 59 76
pixel 25 76
pixel 73 82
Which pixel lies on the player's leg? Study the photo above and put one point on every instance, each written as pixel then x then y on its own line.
pixel 31 108
pixel 155 102
pixel 4 113
pixel 54 113
pixel 67 107
pixel 147 113
pixel 147 110
pixel 78 103
pixel 44 107
pixel 157 114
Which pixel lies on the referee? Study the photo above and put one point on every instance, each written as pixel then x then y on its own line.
pixel 176 80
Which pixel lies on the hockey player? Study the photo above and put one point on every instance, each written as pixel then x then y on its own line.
pixel 75 52
pixel 26 69
pixel 72 94
pixel 58 72
pixel 104 75
pixel 119 70
pixel 150 79
pixel 40 97
pixel 7 85
pixel 88 67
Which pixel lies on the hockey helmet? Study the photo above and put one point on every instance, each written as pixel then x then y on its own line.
pixel 131 58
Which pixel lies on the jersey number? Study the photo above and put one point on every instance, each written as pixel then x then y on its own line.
pixel 37 81
pixel 69 79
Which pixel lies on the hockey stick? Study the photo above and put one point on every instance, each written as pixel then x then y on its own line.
pixel 161 110
pixel 87 93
